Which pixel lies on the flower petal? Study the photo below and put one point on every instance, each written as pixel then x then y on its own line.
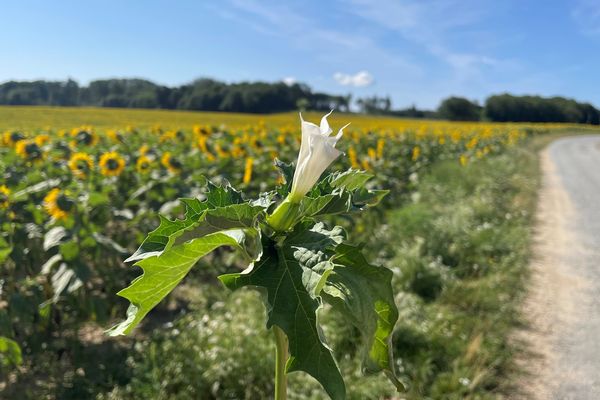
pixel 308 128
pixel 317 152
pixel 325 129
pixel 321 155
pixel 341 132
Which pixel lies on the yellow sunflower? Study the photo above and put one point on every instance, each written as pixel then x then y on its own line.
pixel 42 139
pixel 416 153
pixel 380 148
pixel 171 163
pixel 111 164
pixel 84 136
pixel 167 136
pixel 248 170
pixel 203 130
pixel 57 204
pixel 353 157
pixel 203 147
pixel 372 153
pixel 115 136
pixel 29 150
pixel 143 164
pixel 80 164
pixel 4 193
pixel 11 138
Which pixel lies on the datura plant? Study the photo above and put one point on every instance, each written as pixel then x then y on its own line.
pixel 294 260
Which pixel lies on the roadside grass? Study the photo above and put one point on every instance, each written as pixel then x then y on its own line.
pixel 459 251
pixel 463 272
pixel 462 267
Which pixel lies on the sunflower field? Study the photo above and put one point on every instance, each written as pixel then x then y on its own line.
pixel 74 203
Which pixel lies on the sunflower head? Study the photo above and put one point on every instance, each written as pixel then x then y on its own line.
pixel 63 148
pixel 416 153
pixel 80 164
pixel 58 204
pixel 171 163
pixel 143 164
pixel 29 150
pixel 42 139
pixel 4 193
pixel 167 136
pixel 16 136
pixel 111 164
pixel 201 130
pixel 10 138
pixel 84 136
pixel 115 136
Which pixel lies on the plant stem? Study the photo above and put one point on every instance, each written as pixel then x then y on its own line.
pixel 281 356
pixel 284 216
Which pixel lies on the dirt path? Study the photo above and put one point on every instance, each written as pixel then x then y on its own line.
pixel 563 307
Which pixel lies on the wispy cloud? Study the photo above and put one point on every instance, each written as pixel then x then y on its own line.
pixel 360 79
pixel 586 15
pixel 283 20
pixel 429 23
pixel 420 50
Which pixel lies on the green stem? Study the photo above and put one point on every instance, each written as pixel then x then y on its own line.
pixel 285 215
pixel 281 357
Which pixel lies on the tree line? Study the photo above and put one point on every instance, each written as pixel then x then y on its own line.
pixel 264 97
pixel 497 108
pixel 505 107
pixel 201 94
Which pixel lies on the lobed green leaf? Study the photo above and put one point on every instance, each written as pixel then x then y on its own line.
pixel 222 209
pixel 292 274
pixel 164 271
pixel 363 294
pixel 341 192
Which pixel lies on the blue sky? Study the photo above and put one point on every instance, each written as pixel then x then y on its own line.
pixel 416 51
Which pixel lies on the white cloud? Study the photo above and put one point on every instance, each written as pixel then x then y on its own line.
pixel 360 79
pixel 289 80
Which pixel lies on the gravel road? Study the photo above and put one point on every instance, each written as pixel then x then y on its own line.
pixel 563 307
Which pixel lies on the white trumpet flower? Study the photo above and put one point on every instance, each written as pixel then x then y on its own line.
pixel 317 152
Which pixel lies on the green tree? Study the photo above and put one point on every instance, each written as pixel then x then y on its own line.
pixel 459 109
